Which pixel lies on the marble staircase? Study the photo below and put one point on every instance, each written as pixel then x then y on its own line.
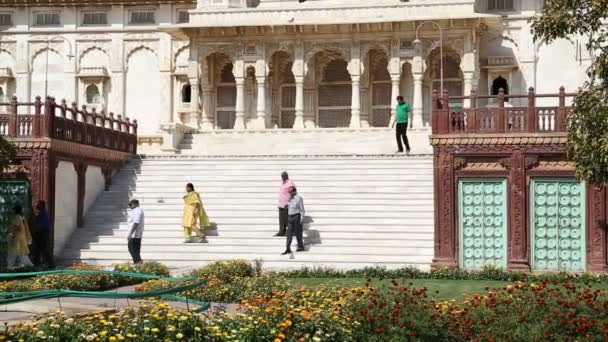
pixel 361 211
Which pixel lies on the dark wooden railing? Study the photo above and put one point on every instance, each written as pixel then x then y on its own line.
pixel 450 119
pixel 68 123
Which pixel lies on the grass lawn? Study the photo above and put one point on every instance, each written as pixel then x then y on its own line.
pixel 438 289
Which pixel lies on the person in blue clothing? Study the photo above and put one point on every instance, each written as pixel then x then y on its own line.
pixel 402 119
pixel 42 237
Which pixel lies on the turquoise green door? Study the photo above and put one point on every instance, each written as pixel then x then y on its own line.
pixel 482 221
pixel 12 192
pixel 558 224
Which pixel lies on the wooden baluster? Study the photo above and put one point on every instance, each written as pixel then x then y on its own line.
pixel 531 120
pixel 128 135
pixel 113 135
pixel 444 116
pixel 560 120
pixel 12 120
pixel 85 124
pixel 37 116
pixel 134 138
pixel 96 131
pixel 120 130
pixel 435 111
pixel 500 124
pixel 64 122
pixel 472 116
pixel 49 117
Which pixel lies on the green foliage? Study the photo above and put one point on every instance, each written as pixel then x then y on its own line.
pixel 487 273
pixel 7 153
pixel 588 120
pixel 226 282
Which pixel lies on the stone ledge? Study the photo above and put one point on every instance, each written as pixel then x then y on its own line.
pixel 285 156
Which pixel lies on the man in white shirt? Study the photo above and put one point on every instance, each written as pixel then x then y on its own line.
pixel 136 230
pixel 296 213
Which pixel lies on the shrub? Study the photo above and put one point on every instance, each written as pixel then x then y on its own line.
pixel 225 270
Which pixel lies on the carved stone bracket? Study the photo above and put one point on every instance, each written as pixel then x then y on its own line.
pixel 459 163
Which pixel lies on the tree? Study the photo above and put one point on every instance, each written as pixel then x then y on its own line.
pixel 7 153
pixel 588 119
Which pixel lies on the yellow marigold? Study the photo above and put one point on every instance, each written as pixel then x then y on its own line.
pixel 179 336
pixel 197 329
pixel 154 330
pixel 112 339
pixel 103 333
pixel 277 340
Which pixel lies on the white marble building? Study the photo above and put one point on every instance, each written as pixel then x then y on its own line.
pixel 186 66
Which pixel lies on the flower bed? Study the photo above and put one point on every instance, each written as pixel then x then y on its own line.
pixel 548 311
pixel 227 282
pixel 84 282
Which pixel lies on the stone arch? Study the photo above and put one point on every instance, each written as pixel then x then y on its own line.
pixel 144 89
pixel 182 56
pixel 334 92
pixel 90 50
pixel 137 48
pixel 283 89
pixel 51 73
pixel 220 77
pixel 452 72
pixel 43 50
pixel 93 96
pixel 376 87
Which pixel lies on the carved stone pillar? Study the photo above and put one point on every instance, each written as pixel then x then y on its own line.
pixel 395 85
pixel 355 112
pixel 519 234
pixel 194 101
pixel 81 172
pixel 418 104
pixel 468 87
pixel 445 197
pixel 208 115
pixel 239 122
pixel 299 106
pixel 261 107
pixel 597 240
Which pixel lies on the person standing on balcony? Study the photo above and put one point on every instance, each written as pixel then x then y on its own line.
pixel 136 230
pixel 402 119
pixel 194 213
pixel 284 197
pixel 42 233
pixel 295 221
pixel 19 239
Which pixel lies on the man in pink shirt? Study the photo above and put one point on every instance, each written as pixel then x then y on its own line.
pixel 284 198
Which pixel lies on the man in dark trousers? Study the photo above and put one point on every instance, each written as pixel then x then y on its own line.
pixel 42 234
pixel 403 113
pixel 295 221
pixel 284 197
pixel 136 230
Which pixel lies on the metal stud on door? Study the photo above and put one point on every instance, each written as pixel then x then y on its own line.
pixel 558 224
pixel 482 223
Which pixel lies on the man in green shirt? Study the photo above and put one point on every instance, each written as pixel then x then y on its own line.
pixel 403 113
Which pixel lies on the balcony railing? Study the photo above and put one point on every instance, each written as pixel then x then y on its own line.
pixel 449 117
pixel 68 123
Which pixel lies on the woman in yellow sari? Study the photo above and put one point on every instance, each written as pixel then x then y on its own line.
pixel 195 216
pixel 19 240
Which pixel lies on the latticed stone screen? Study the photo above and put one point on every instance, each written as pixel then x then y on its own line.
pixel 482 222
pixel 335 96
pixel 11 193
pixel 288 103
pixel 334 105
pixel 558 225
pixel 381 104
pixel 226 102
